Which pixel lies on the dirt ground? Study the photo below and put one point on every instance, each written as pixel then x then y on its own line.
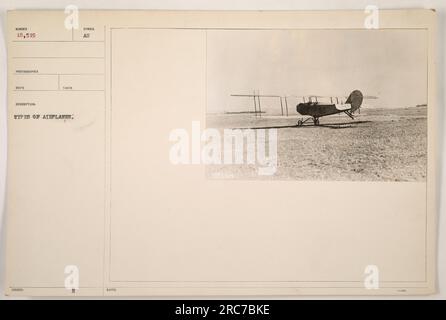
pixel 379 145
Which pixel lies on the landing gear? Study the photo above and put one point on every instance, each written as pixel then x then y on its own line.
pixel 349 114
pixel 301 122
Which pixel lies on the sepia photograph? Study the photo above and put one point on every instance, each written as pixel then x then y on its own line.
pixel 330 104
pixel 244 153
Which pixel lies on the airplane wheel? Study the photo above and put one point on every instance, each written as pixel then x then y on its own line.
pixel 299 123
pixel 316 122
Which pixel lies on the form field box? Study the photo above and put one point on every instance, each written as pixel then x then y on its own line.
pixel 81 82
pixel 35 82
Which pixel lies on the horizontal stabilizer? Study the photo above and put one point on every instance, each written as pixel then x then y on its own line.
pixel 343 106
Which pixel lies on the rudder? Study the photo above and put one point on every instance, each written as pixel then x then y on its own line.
pixel 355 99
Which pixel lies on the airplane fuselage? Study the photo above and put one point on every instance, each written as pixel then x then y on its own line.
pixel 316 109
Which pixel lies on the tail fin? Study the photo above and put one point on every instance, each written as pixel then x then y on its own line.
pixel 355 99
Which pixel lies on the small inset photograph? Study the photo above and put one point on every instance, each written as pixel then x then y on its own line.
pixel 334 105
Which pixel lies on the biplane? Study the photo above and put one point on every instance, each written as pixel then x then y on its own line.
pixel 313 107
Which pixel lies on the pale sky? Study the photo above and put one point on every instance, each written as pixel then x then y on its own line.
pixel 391 64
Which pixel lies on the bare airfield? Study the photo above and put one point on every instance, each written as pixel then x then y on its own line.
pixel 379 145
